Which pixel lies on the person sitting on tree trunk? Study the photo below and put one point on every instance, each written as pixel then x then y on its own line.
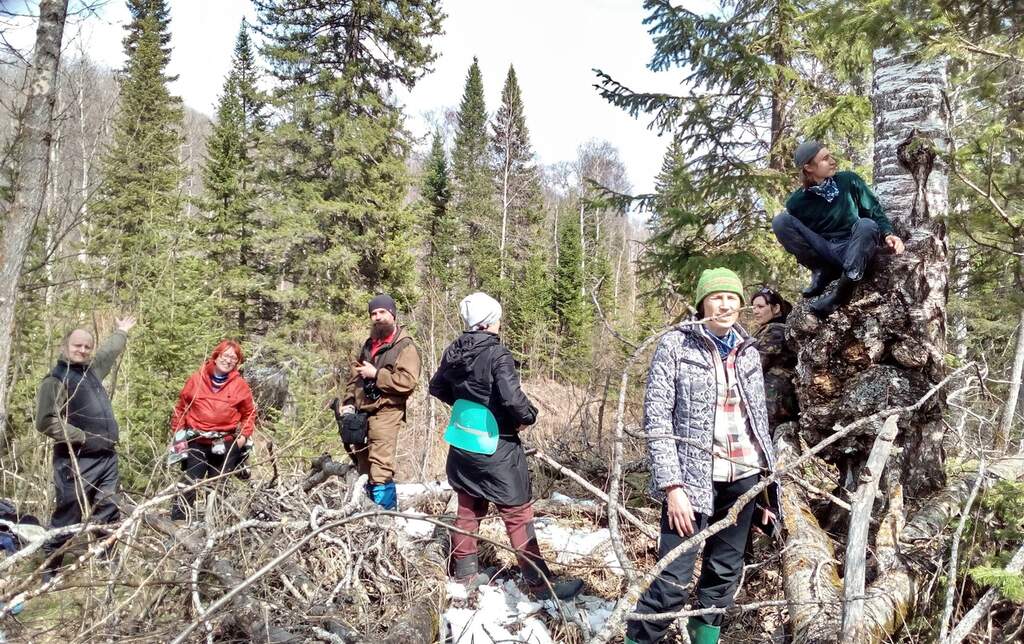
pixel 212 422
pixel 74 410
pixel 486 460
pixel 778 360
pixel 373 410
pixel 708 442
pixel 832 225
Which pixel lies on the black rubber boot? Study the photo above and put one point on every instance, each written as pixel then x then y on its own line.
pixel 466 571
pixel 538 579
pixel 829 304
pixel 820 279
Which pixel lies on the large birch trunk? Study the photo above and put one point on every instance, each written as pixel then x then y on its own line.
pixel 884 349
pixel 31 175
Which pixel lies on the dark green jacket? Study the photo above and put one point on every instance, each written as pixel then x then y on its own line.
pixel 835 220
pixel 52 399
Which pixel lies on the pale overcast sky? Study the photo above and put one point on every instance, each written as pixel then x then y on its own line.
pixel 554 44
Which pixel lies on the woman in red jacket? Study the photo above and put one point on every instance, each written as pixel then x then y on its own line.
pixel 215 414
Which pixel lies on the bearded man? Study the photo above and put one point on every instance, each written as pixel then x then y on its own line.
pixel 382 379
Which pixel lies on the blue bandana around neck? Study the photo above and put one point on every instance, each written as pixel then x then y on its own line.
pixel 218 381
pixel 827 189
pixel 727 344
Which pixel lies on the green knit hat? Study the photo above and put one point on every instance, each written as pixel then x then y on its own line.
pixel 718 280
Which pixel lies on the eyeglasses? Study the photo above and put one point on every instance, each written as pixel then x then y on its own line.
pixel 227 358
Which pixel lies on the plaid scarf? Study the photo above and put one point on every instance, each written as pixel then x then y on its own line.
pixel 827 189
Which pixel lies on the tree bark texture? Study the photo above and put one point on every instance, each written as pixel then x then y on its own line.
pixel 32 146
pixel 810 567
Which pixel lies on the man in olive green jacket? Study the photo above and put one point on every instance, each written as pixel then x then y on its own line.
pixel 74 409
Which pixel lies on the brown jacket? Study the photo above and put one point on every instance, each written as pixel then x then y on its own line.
pixel 398 373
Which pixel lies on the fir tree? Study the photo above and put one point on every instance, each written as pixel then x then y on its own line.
pixel 473 200
pixel 568 294
pixel 440 224
pixel 340 228
pixel 141 241
pixel 230 183
pixel 516 178
pixel 735 126
pixel 140 199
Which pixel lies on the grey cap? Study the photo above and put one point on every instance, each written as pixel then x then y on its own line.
pixel 805 152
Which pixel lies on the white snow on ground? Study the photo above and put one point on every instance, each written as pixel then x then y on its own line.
pixel 414 527
pixel 570 544
pixel 408 490
pixel 586 504
pixel 504 613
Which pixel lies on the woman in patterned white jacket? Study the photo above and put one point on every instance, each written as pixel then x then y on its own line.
pixel 709 442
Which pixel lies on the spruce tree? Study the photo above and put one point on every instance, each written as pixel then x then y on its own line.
pixel 473 198
pixel 229 178
pixel 340 229
pixel 440 224
pixel 141 242
pixel 516 178
pixel 745 105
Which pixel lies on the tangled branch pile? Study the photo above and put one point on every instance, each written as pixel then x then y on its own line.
pixel 309 562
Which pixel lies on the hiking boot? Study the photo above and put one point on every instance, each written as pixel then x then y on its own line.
pixel 820 279
pixel 383 494
pixel 828 304
pixel 701 632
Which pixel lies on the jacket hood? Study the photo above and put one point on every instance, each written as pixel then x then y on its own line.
pixel 464 351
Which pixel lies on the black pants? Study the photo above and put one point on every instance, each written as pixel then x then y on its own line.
pixel 720 572
pixel 847 254
pixel 92 490
pixel 201 463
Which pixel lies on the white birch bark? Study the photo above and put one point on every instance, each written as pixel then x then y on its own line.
pixel 29 188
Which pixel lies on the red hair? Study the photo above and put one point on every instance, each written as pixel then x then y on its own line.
pixel 224 346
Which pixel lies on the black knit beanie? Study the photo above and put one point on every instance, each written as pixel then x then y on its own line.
pixel 383 301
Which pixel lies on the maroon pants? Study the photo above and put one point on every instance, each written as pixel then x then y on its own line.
pixel 518 521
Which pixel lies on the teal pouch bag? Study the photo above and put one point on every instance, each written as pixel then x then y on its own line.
pixel 472 427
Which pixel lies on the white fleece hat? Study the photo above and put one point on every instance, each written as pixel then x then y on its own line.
pixel 479 310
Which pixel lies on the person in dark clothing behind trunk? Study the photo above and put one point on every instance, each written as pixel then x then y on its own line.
pixel 778 360
pixel 74 409
pixel 477 368
pixel 832 225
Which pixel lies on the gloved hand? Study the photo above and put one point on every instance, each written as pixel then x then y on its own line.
pixel 340 410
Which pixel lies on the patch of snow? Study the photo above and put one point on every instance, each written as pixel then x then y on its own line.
pixel 457 591
pixel 409 490
pixel 504 613
pixel 562 499
pixel 497 608
pixel 535 632
pixel 571 544
pixel 414 527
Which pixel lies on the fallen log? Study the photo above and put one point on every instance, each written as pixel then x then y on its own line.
pixel 812 583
